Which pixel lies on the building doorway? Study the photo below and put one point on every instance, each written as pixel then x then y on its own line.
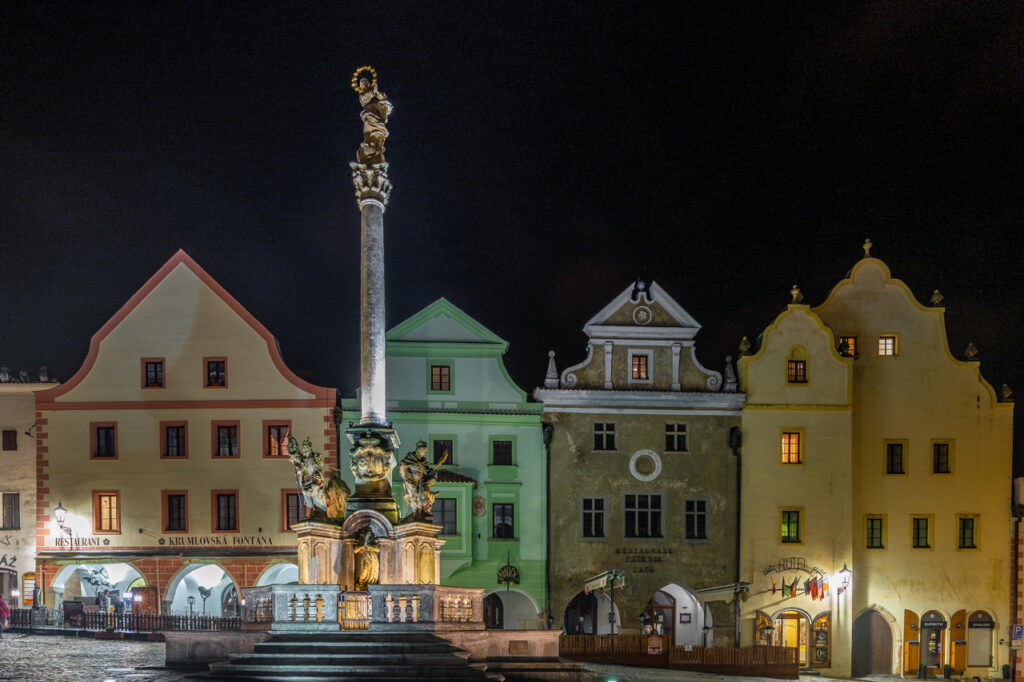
pixel 872 645
pixel 979 639
pixel 8 584
pixel 494 613
pixel 791 630
pixel 933 637
pixel 590 614
pixel 658 615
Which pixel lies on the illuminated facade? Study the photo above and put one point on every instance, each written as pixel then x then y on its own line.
pixel 643 477
pixel 162 451
pixel 869 446
pixel 447 386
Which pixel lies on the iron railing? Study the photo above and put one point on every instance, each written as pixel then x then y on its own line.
pixel 129 622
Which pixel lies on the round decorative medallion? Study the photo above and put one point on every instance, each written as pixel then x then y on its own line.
pixel 645 465
pixel 642 314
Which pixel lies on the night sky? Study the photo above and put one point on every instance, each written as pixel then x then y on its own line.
pixel 544 155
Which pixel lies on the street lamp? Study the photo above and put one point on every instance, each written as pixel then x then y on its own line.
pixel 844 577
pixel 191 604
pixel 61 514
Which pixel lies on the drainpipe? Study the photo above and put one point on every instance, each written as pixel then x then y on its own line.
pixel 735 441
pixel 548 430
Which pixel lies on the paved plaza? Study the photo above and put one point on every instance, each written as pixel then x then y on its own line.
pixel 38 658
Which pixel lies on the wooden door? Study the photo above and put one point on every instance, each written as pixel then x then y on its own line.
pixel 958 641
pixel 911 642
pixel 872 645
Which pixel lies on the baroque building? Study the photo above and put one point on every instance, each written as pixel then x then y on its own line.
pixel 643 478
pixel 18 485
pixel 447 386
pixel 159 461
pixel 875 487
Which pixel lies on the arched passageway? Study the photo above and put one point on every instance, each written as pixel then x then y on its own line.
pixel 202 589
pixel 589 614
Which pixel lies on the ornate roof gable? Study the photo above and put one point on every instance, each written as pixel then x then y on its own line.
pixel 642 313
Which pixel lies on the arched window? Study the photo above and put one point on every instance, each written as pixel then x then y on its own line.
pixel 796 366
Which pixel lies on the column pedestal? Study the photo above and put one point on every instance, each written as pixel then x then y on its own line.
pixel 320 550
pixel 416 554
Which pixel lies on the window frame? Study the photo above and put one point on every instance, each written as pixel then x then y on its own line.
pixel 164 425
pixel 454 516
pixel 603 512
pixel 895 345
pixel 267 425
pixel 144 364
pixel 285 494
pixel 948 443
pixel 215 427
pixel 97 516
pixel 705 514
pixel 13 433
pixel 975 520
pixel 661 510
pixel 674 437
pixel 494 525
pixel 511 440
pixel 94 441
pixel 930 520
pixel 206 371
pixel 444 438
pixel 13 521
pixel 166 512
pixel 215 511
pixel 801 531
pixel 883 538
pixel 440 363
pixel 799 376
pixel 851 351
pixel 604 433
pixel 799 433
pixel 904 446
pixel 648 354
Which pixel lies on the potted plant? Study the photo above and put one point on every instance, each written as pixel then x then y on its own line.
pixel 1006 671
pixel 947 671
pixel 922 672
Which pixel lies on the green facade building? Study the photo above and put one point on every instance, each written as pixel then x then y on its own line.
pixel 447 385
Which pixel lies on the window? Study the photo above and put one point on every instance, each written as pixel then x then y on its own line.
pixel 848 346
pixel 592 517
pixel 293 509
pixel 443 448
pixel 104 440
pixel 441 378
pixel 643 515
pixel 225 511
pixel 216 372
pixel 175 511
pixel 791 447
pixel 873 532
pixel 675 437
pixel 175 439
pixel 796 372
pixel 503 520
pixel 501 452
pixel 696 519
pixel 152 372
pixel 789 528
pixel 887 345
pixel 11 519
pixel 966 531
pixel 894 458
pixel 604 436
pixel 640 362
pixel 225 439
pixel 940 458
pixel 106 512
pixel 444 512
pixel 920 530
pixel 10 439
pixel 275 438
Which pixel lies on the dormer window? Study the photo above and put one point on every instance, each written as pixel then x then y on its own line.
pixel 216 372
pixel 796 366
pixel 641 369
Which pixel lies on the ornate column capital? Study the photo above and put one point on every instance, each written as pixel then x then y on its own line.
pixel 371 182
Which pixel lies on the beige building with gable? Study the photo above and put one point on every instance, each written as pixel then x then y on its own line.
pixel 869 447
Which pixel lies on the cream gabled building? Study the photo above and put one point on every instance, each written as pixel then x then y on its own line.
pixel 162 451
pixel 869 446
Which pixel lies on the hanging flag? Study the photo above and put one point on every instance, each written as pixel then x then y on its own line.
pixel 773 586
pixel 792 588
pixel 814 588
pixel 824 587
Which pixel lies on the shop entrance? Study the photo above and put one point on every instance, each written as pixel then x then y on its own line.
pixel 979 639
pixel 933 637
pixel 791 630
pixel 658 615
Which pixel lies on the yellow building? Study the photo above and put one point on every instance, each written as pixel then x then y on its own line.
pixel 869 447
pixel 161 454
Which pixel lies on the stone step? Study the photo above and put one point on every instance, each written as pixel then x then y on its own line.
pixel 444 659
pixel 364 648
pixel 365 637
pixel 383 670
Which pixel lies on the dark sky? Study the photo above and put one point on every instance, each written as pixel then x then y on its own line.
pixel 543 156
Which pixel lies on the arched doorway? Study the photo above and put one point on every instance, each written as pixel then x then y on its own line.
pixel 872 645
pixel 494 613
pixel 933 637
pixel 792 629
pixel 516 610
pixel 279 574
pixel 8 584
pixel 588 614
pixel 979 639
pixel 659 615
pixel 93 583
pixel 199 589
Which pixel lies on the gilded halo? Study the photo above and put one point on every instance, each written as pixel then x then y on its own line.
pixel 359 74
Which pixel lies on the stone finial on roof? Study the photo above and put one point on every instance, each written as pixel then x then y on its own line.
pixel 23 376
pixel 551 378
pixel 971 352
pixel 796 294
pixel 730 383
pixel 5 373
pixel 1005 394
pixel 44 374
pixel 867 248
pixel 936 298
pixel 744 346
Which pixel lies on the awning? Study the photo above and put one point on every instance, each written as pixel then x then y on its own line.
pixel 724 593
pixel 608 580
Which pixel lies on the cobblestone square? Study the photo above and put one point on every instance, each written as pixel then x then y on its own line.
pixel 70 659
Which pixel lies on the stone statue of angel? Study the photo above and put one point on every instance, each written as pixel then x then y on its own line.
pixel 323 490
pixel 376 109
pixel 418 475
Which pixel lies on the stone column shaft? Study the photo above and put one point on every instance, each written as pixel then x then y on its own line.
pixel 371 308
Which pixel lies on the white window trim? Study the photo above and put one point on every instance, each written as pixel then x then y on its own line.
pixel 649 353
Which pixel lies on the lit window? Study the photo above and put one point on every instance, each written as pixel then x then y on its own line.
pixel 643 515
pixel 216 372
pixel 503 520
pixel 921 539
pixel 789 529
pixel 696 519
pixel 440 378
pixel 675 437
pixel 106 512
pixel 227 441
pixel 796 371
pixel 873 532
pixel 894 458
pixel 604 435
pixel 965 532
pixel 791 447
pixel 640 367
pixel 153 373
pixel 848 346
pixel 11 519
pixel 225 510
pixel 445 514
pixel 277 439
pixel 887 345
pixel 501 452
pixel 940 458
pixel 592 517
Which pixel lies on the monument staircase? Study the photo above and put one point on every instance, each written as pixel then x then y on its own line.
pixel 352 656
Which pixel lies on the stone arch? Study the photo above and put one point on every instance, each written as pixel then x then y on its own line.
pixel 686 607
pixel 120 575
pixel 895 632
pixel 594 608
pixel 520 611
pixel 176 602
pixel 278 574
pixel 377 522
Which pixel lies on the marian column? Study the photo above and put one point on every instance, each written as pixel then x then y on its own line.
pixel 373 440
